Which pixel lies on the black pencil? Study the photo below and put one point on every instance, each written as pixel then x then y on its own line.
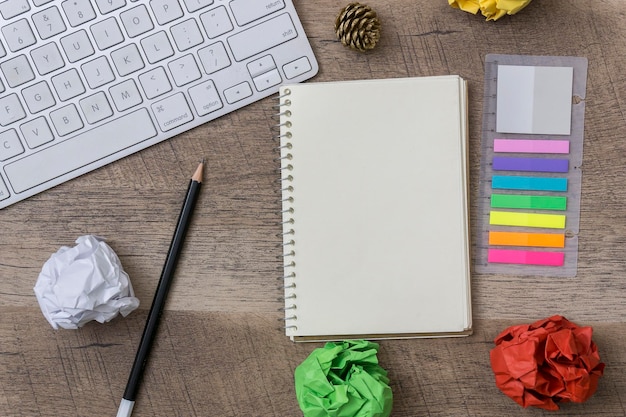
pixel 152 323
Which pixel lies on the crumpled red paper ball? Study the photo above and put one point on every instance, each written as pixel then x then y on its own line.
pixel 545 363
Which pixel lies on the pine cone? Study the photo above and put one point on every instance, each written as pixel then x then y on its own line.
pixel 358 27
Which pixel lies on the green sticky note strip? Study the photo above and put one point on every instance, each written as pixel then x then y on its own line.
pixel 537 202
pixel 343 380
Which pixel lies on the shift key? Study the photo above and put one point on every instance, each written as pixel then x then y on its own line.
pixel 262 37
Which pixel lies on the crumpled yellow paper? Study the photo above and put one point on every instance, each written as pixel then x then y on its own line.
pixel 491 9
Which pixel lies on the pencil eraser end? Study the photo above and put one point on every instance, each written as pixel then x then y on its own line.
pixel 126 408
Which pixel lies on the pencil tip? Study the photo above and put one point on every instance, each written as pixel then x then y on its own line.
pixel 197 176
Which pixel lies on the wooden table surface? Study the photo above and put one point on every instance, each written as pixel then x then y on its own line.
pixel 218 352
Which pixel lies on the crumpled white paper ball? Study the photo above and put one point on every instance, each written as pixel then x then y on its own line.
pixel 84 283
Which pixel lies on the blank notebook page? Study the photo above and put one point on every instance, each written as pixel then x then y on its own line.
pixel 379 205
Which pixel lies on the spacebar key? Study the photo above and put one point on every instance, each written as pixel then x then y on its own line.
pixel 80 150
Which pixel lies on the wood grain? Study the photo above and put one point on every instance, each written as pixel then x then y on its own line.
pixel 239 364
pixel 218 352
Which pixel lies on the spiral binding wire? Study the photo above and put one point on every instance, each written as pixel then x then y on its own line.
pixel 288 277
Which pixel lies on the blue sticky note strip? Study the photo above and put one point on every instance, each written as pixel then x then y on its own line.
pixel 506 182
pixel 530 164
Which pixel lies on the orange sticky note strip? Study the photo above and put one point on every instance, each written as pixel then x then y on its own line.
pixel 545 240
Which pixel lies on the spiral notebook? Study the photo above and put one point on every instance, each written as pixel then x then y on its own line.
pixel 375 210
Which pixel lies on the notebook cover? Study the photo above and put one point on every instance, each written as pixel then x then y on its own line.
pixel 375 211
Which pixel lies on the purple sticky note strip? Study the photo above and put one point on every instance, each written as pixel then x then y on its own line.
pixel 530 164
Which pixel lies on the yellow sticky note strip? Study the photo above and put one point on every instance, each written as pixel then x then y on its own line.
pixel 546 240
pixel 505 218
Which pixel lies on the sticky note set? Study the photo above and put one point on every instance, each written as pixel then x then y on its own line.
pixel 534 100
pixel 531 158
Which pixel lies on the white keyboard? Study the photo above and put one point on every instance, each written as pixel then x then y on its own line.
pixel 86 82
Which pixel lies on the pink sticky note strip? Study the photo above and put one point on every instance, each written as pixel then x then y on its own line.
pixel 525 257
pixel 531 146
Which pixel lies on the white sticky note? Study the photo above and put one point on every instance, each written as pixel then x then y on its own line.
pixel 534 100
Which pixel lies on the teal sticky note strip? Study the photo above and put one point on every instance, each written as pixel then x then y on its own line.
pixel 536 202
pixel 508 182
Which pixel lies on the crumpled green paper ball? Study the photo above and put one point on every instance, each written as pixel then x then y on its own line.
pixel 343 380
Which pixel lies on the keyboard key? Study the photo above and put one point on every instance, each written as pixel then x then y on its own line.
pixel 216 22
pixel 237 92
pixel 38 97
pixel 47 58
pixel 36 132
pixel 107 6
pixel 4 191
pixel 107 33
pixel 262 37
pixel 155 82
pixel 166 11
pixel 10 145
pixel 77 46
pixel 267 80
pixel 18 35
pixel 68 84
pixel 194 5
pixel 98 72
pixel 49 22
pixel 214 57
pixel 261 65
pixel 187 35
pixel 205 98
pixel 66 120
pixel 11 110
pixel 297 67
pixel 157 47
pixel 96 107
pixel 137 21
pixel 12 8
pixel 172 112
pixel 85 148
pixel 127 59
pixel 184 70
pixel 246 11
pixel 125 95
pixel 78 11
pixel 17 71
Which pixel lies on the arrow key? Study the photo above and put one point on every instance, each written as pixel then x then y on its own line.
pixel 267 80
pixel 297 67
pixel 237 92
